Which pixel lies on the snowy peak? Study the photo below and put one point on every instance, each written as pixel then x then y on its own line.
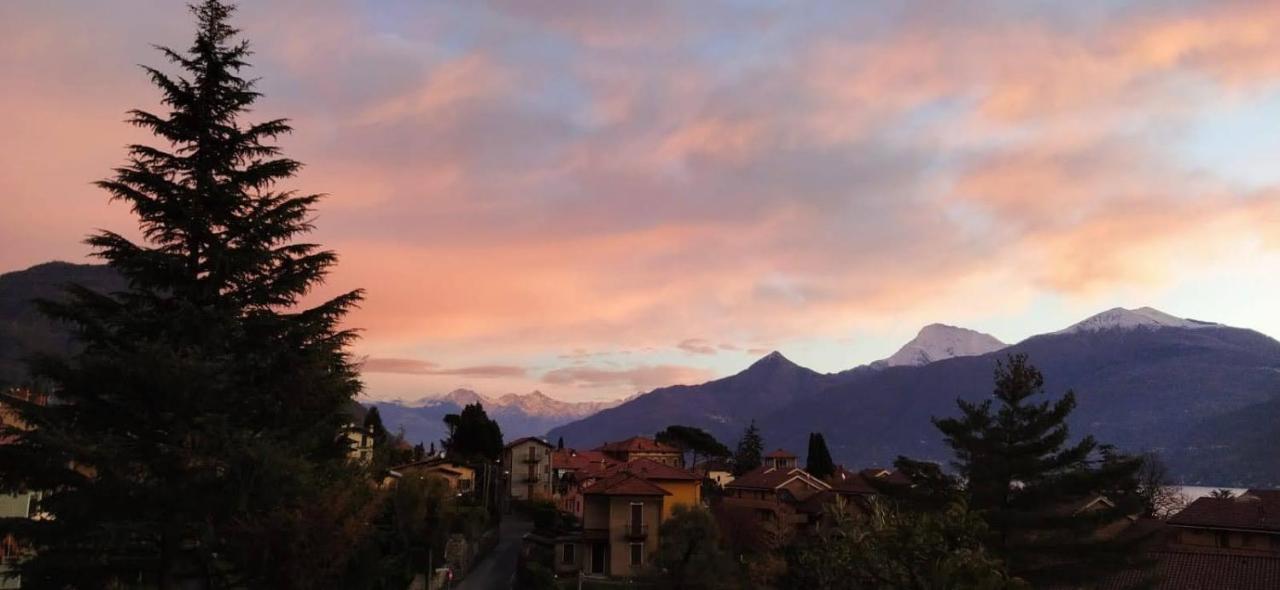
pixel 1129 319
pixel 530 404
pixel 936 342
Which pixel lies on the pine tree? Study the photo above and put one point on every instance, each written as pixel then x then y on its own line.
pixel 560 444
pixel 818 462
pixel 473 436
pixel 750 453
pixel 203 411
pixel 1034 489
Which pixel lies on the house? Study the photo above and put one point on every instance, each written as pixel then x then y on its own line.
pixel 780 459
pixel 771 497
pixel 639 447
pixel 359 438
pixel 1214 543
pixel 571 470
pixel 527 462
pixel 716 470
pixel 683 487
pixel 21 504
pixel 461 478
pixel 1248 524
pixel 620 522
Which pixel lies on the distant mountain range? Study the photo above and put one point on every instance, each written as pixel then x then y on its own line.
pixel 531 414
pixel 1204 396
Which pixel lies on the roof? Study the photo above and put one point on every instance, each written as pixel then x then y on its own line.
pixel 624 483
pixel 573 460
pixel 1257 510
pixel 432 462
pixel 1187 570
pixel 650 469
pixel 637 444
pixel 780 454
pixel 769 478
pixel 526 439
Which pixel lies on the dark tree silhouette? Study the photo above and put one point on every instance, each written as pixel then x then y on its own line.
pixel 818 462
pixel 203 408
pixel 750 453
pixel 693 441
pixel 473 435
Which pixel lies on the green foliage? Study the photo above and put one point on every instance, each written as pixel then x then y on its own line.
pixel 200 414
pixel 1032 487
pixel 692 440
pixel 750 453
pixel 473 436
pixel 898 550
pixel 818 461
pixel 689 556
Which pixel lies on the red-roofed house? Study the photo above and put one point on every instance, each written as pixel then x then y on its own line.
pixel 780 459
pixel 571 470
pixel 639 447
pixel 620 522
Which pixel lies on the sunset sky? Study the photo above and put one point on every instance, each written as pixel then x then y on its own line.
pixel 594 199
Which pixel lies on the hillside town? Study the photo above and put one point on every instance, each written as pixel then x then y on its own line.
pixel 534 339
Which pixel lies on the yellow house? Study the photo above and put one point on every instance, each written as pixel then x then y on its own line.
pixel 684 488
pixel 461 478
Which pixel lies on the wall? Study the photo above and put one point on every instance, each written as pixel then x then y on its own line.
pixel 620 545
pixel 514 458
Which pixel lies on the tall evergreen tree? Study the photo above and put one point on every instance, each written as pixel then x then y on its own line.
pixel 1034 488
pixel 203 410
pixel 750 453
pixel 473 435
pixel 818 462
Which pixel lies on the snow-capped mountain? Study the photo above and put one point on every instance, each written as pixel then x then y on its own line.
pixel 936 342
pixel 531 414
pixel 1143 317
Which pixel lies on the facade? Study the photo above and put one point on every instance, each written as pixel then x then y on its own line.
pixel 527 462
pixel 1248 524
pixel 571 470
pixel 461 478
pixel 620 523
pixel 715 470
pixel 359 438
pixel 20 505
pixel 639 447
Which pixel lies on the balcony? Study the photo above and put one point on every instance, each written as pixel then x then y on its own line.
pixel 530 479
pixel 636 531
pixel 530 460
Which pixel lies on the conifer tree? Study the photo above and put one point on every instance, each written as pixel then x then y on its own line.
pixel 750 453
pixel 473 435
pixel 818 461
pixel 1035 489
pixel 203 411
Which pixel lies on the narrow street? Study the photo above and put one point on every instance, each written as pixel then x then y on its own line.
pixel 498 569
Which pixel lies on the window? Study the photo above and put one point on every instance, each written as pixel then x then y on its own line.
pixel 637 554
pixel 1224 539
pixel 569 554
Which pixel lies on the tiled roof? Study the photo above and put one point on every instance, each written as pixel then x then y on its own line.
pixel 571 460
pixel 650 469
pixel 432 462
pixel 769 478
pixel 780 454
pixel 527 439
pixel 1192 570
pixel 624 483
pixel 637 444
pixel 1254 510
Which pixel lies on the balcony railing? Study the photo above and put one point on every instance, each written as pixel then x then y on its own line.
pixel 636 531
pixel 530 460
pixel 530 479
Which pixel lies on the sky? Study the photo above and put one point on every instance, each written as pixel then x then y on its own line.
pixel 593 199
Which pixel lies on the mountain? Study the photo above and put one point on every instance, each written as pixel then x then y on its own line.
pixel 722 407
pixel 936 342
pixel 531 414
pixel 1205 397
pixel 23 329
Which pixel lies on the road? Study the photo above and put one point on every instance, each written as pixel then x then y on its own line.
pixel 498 569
